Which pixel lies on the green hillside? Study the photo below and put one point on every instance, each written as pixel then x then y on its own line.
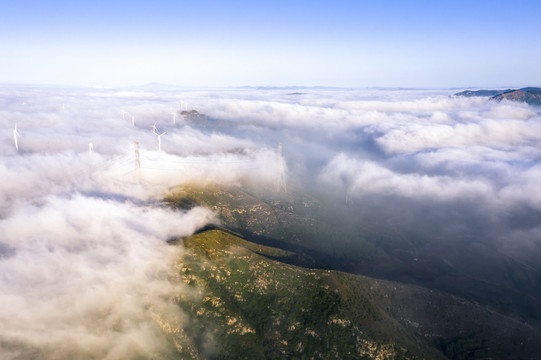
pixel 252 301
pixel 366 240
pixel 254 307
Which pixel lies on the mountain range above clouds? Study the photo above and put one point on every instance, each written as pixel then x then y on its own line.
pixel 409 228
pixel 270 292
pixel 528 95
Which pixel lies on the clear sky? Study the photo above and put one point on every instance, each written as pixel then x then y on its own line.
pixel 414 43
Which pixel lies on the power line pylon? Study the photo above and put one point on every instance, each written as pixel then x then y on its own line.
pixel 281 175
pixel 137 156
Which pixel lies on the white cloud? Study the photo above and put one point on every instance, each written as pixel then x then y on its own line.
pixel 407 137
pixel 361 177
pixel 84 253
pixel 85 263
pixel 80 275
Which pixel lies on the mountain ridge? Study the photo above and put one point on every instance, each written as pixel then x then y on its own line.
pixel 363 317
pixel 528 95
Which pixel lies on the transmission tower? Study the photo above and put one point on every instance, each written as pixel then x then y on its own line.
pixel 137 157
pixel 281 175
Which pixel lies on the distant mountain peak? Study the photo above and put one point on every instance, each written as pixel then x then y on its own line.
pixel 475 93
pixel 528 95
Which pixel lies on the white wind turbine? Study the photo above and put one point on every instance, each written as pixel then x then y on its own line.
pixel 159 137
pixel 15 136
pixel 124 115
pixel 174 117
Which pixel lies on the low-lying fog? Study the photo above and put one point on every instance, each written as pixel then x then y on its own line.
pixel 83 252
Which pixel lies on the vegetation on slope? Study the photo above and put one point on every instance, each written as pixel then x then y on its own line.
pixel 356 238
pixel 253 302
pixel 255 307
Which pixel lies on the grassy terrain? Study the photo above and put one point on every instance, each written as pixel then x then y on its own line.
pixel 250 305
pixel 364 239
pixel 255 307
pixel 295 222
pixel 263 299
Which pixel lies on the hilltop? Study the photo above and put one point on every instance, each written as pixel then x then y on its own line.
pixel 528 95
pixel 263 295
pixel 363 239
pixel 480 93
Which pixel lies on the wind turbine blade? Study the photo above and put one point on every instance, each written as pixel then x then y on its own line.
pixel 15 134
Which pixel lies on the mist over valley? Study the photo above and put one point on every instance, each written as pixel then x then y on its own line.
pixel 120 207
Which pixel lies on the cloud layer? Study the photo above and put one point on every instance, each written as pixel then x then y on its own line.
pixel 83 254
pixel 83 276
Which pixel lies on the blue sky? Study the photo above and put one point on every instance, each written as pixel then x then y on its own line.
pixel 233 43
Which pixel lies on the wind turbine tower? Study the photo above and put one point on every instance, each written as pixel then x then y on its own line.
pixel 133 120
pixel 281 175
pixel 90 147
pixel 15 137
pixel 174 117
pixel 155 131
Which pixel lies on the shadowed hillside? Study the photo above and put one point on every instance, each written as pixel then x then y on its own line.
pixel 359 239
pixel 528 95
pixel 255 303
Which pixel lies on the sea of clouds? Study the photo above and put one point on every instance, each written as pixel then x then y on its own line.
pixel 83 249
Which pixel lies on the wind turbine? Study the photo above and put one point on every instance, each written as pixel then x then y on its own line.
pixel 15 136
pixel 133 120
pixel 124 115
pixel 174 117
pixel 90 147
pixel 159 137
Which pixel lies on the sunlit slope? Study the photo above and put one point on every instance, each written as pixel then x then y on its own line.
pixel 264 299
pixel 293 221
pixel 251 305
pixel 365 239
